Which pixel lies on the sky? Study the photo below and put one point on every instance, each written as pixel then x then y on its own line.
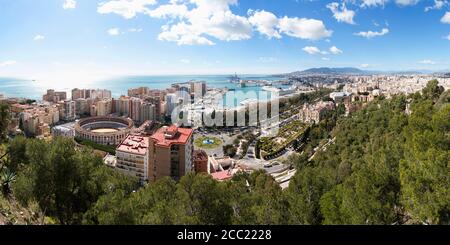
pixel 94 39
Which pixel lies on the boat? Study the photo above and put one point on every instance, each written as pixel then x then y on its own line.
pixel 234 79
pixel 245 84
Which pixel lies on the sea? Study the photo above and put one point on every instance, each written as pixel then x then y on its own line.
pixel 30 89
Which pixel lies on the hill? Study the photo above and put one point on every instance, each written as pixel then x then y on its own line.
pixel 329 71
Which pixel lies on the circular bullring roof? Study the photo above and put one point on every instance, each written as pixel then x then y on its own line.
pixel 103 125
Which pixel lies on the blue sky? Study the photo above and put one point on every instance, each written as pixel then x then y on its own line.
pixel 90 39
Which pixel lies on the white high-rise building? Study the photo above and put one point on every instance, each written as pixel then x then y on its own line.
pixel 148 112
pixel 171 103
pixel 69 110
pixel 104 107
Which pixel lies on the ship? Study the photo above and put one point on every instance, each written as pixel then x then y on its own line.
pixel 234 79
pixel 245 84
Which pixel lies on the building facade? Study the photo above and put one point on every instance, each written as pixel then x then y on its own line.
pixel 200 160
pixel 53 96
pixel 69 110
pixel 132 156
pixel 314 113
pixel 171 150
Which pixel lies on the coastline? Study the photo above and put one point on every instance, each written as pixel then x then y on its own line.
pixel 22 88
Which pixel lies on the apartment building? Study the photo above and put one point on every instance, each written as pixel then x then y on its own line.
pixel 53 96
pixel 171 150
pixel 133 155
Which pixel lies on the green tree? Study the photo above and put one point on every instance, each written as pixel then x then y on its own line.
pixel 158 203
pixel 5 118
pixel 304 193
pixel 257 199
pixel 110 209
pixel 65 181
pixel 17 152
pixel 203 200
pixel 229 150
pixel 425 171
pixel 432 91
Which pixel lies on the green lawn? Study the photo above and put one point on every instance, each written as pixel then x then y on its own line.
pixel 200 142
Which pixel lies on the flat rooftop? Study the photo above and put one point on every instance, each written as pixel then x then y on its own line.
pixel 173 135
pixel 134 144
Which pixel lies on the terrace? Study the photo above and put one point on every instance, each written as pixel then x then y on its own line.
pixel 286 136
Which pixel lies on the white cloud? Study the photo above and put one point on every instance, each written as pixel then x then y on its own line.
pixel 185 61
pixel 371 34
pixel 169 11
pixel 38 37
pixel 303 28
pixel 406 2
pixel 196 22
pixel 114 31
pixel 265 22
pixel 373 3
pixel 315 50
pixel 364 65
pixel 228 26
pixel 427 62
pixel 271 26
pixel 326 59
pixel 126 8
pixel 8 63
pixel 311 50
pixel 70 4
pixel 438 4
pixel 341 14
pixel 447 37
pixel 207 18
pixel 335 50
pixel 194 40
pixel 446 18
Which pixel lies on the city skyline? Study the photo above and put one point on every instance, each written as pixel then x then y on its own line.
pixel 91 40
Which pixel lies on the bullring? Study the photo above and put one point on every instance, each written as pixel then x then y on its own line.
pixel 104 130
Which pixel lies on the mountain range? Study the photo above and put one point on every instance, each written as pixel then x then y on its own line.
pixel 354 71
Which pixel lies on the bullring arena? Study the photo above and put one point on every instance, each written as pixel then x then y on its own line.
pixel 104 130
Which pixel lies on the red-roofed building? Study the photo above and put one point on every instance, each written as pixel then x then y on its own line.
pixel 223 175
pixel 133 155
pixel 171 149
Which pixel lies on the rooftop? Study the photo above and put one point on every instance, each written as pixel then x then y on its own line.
pixel 134 144
pixel 167 136
pixel 222 175
pixel 26 106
